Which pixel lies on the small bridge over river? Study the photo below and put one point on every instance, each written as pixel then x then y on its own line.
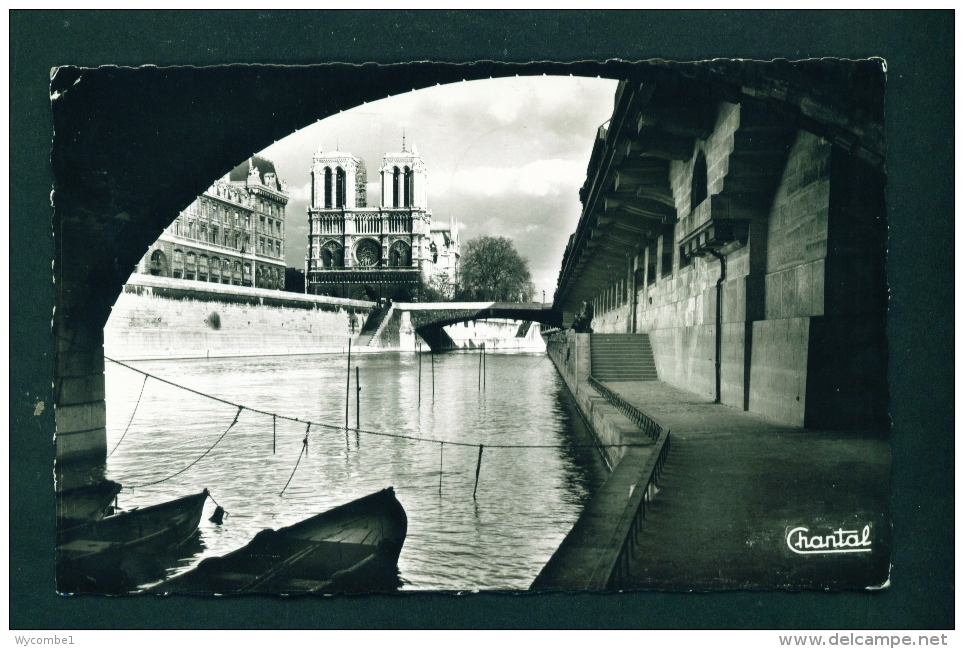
pixel 401 324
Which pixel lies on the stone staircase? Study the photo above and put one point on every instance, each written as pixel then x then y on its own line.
pixel 622 357
pixel 372 325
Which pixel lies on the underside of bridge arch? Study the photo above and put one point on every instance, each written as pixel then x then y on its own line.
pixel 134 146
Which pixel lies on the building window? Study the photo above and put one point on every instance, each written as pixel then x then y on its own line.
pixel 700 182
pixel 261 246
pixel 158 263
pixel 235 219
pixel 247 221
pixel 408 187
pixel 262 224
pixel 176 274
pixel 395 175
pixel 684 259
pixel 214 235
pixel 340 188
pixel 399 255
pixel 327 188
pixel 178 257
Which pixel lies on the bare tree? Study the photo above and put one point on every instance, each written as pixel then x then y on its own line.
pixel 492 270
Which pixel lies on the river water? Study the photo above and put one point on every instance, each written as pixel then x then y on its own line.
pixel 527 499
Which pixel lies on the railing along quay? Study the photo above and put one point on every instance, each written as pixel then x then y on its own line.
pixel 615 565
pixel 614 568
pixel 631 412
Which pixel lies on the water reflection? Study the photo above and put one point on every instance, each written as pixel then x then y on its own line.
pixel 527 499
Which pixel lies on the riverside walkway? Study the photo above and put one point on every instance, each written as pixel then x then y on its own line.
pixel 735 484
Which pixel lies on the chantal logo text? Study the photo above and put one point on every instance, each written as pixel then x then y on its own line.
pixel 799 540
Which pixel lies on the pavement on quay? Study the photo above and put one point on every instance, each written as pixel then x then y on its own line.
pixel 734 486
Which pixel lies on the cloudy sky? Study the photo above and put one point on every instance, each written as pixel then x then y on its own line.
pixel 505 157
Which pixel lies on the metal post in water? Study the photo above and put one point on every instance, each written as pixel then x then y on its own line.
pixel 478 467
pixel 348 387
pixel 357 400
pixel 480 366
pixel 274 434
pixel 441 448
pixel 419 352
pixel 432 351
pixel 483 366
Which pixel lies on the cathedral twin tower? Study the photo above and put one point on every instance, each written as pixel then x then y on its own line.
pixel 372 252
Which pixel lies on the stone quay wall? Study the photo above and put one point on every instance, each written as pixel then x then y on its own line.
pixel 165 318
pixel 804 300
pixel 570 353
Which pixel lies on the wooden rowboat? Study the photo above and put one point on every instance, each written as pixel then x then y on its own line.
pixel 349 548
pixel 86 503
pixel 118 552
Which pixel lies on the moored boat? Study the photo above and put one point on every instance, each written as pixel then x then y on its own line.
pixel 352 547
pixel 85 503
pixel 118 552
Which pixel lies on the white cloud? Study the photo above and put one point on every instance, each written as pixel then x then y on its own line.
pixel 530 228
pixel 538 178
pixel 301 194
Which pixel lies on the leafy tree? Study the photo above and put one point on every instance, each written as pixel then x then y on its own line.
pixel 435 289
pixel 492 270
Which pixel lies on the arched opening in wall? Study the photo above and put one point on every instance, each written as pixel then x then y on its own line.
pixel 340 187
pixel 177 272
pixel 215 270
pixel 700 181
pixel 395 175
pixel 225 271
pixel 408 187
pixel 327 188
pixel 190 266
pixel 202 268
pixel 99 275
pixel 332 255
pixel 246 275
pixel 159 264
pixel 400 255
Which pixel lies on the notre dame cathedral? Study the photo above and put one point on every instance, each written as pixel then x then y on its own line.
pixel 388 251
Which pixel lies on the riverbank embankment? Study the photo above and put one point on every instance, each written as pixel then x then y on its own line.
pixel 597 551
pixel 163 318
pixel 743 502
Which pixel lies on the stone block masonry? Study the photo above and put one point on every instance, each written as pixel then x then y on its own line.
pixel 164 318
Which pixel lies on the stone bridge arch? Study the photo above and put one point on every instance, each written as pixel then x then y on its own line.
pixel 134 146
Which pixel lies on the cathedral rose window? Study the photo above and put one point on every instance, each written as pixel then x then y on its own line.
pixel 367 253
